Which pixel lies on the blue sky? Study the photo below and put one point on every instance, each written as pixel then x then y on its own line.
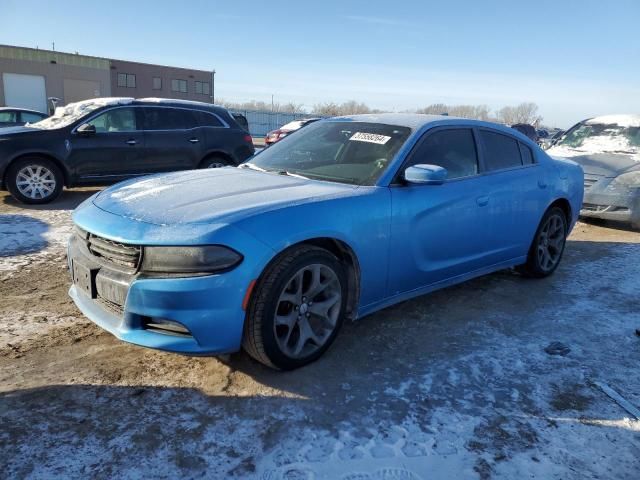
pixel 573 58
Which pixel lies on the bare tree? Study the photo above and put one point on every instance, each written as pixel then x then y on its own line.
pixel 480 112
pixel 289 107
pixel 526 112
pixel 350 107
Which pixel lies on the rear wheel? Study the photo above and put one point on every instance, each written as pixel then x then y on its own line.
pixel 34 180
pixel 216 161
pixel 297 308
pixel 548 244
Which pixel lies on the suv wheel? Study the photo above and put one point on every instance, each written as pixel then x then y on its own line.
pixel 34 180
pixel 216 161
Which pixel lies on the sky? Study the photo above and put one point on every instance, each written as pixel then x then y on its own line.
pixel 575 59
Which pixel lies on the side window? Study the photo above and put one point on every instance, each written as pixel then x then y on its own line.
pixel 8 117
pixel 207 120
pixel 526 153
pixel 500 151
pixel 168 119
pixel 31 117
pixel 116 120
pixel 453 149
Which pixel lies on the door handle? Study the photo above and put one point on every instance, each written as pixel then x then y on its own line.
pixel 482 201
pixel 132 142
pixel 194 140
pixel 542 184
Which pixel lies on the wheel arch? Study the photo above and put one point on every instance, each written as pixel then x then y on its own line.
pixel 217 153
pixel 65 173
pixel 565 206
pixel 345 254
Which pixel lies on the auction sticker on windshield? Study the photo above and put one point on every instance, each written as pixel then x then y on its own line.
pixel 370 137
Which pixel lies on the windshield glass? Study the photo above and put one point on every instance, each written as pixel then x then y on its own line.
pixel 66 115
pixel 595 137
pixel 347 152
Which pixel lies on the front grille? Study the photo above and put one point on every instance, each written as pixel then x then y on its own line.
pixel 114 252
pixel 589 182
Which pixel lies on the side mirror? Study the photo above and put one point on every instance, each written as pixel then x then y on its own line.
pixel 86 129
pixel 425 174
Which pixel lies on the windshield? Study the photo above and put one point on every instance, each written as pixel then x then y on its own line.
pixel 65 116
pixel 595 137
pixel 347 152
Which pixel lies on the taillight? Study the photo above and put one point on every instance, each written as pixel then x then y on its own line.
pixel 248 139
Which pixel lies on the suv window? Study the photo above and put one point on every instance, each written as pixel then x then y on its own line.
pixel 453 149
pixel 158 118
pixel 205 119
pixel 500 151
pixel 31 117
pixel 8 117
pixel 115 120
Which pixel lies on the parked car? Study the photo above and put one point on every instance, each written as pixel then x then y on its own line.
pixel 14 117
pixel 608 149
pixel 347 216
pixel 109 139
pixel 527 130
pixel 274 135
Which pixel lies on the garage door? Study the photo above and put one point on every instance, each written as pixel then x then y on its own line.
pixel 24 91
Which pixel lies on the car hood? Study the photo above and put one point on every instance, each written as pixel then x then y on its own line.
pixel 607 164
pixel 222 195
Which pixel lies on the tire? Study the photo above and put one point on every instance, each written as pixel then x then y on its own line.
pixel 34 180
pixel 216 161
pixel 547 246
pixel 286 345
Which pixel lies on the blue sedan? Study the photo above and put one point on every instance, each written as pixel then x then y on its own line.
pixel 342 218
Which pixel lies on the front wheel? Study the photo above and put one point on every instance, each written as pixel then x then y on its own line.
pixel 548 245
pixel 34 180
pixel 297 308
pixel 215 161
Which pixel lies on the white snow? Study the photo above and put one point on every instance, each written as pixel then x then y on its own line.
pixel 622 120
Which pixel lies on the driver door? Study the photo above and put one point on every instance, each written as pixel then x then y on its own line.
pixel 439 231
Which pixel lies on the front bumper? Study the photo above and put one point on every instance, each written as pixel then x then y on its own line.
pixel 600 202
pixel 209 308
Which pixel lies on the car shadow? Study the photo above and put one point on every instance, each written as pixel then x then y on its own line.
pixel 21 234
pixel 609 224
pixel 68 200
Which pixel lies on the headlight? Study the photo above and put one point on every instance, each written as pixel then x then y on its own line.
pixel 199 259
pixel 625 181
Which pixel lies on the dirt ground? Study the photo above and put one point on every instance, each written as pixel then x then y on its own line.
pixel 455 384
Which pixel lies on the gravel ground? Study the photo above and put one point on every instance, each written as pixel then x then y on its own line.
pixel 463 383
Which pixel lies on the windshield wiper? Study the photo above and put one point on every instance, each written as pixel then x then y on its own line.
pixel 252 167
pixel 291 174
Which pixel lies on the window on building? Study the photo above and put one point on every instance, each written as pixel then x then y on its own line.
pixel 202 88
pixel 157 83
pixel 453 149
pixel 500 151
pixel 115 120
pixel 127 80
pixel 179 85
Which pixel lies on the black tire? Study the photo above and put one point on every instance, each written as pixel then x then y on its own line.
pixel 536 266
pixel 259 339
pixel 14 171
pixel 216 161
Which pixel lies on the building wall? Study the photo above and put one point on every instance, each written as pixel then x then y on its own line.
pixel 68 77
pixel 144 74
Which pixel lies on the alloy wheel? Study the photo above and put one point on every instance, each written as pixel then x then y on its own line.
pixel 307 310
pixel 35 182
pixel 551 242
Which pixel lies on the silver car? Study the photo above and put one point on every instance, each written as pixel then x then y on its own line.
pixel 608 149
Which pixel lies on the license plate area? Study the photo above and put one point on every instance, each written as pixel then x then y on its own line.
pixel 84 278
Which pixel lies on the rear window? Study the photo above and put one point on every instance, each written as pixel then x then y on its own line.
pixel 158 118
pixel 527 154
pixel 207 119
pixel 500 151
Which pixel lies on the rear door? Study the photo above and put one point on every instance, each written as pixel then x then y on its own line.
pixel 517 196
pixel 173 137
pixel 440 231
pixel 114 151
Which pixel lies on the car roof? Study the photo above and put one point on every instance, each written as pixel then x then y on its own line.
pixel 18 109
pixel 417 121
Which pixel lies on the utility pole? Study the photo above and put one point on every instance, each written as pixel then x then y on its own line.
pixel 53 46
pixel 213 86
pixel 272 103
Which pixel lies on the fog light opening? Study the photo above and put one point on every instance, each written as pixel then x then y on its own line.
pixel 165 326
